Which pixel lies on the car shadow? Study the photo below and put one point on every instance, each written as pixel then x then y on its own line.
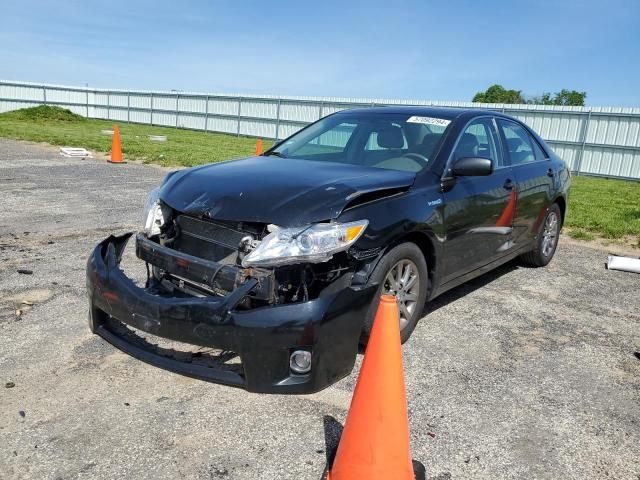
pixel 466 288
pixel 470 286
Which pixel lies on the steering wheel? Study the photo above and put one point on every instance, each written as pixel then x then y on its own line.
pixel 417 156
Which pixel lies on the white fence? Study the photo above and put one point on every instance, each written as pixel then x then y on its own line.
pixel 593 140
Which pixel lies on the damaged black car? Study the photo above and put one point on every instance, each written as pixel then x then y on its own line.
pixel 264 273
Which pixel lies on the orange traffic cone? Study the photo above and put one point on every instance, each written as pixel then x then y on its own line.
pixel 375 441
pixel 116 149
pixel 259 147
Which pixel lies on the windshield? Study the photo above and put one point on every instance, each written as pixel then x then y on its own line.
pixel 383 140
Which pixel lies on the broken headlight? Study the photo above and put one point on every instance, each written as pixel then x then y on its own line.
pixel 154 217
pixel 314 244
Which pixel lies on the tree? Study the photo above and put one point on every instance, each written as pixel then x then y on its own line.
pixel 498 94
pixel 570 97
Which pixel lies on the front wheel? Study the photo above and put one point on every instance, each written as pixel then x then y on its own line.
pixel 547 240
pixel 402 272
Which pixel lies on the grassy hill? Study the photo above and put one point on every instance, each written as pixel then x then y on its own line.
pixel 58 126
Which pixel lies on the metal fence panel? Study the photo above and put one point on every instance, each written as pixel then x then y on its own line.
pixel 139 116
pixel 194 122
pixel 101 98
pixel 65 96
pixel 192 104
pixel 553 127
pixel 569 153
pixel 301 112
pixel 164 119
pixel 611 162
pixel 100 112
pixel 223 125
pixel 21 92
pixel 7 106
pixel 117 114
pixel 254 128
pixel 615 130
pixel 259 109
pixel 593 140
pixel 139 101
pixel 165 102
pixel 288 129
pixel 223 106
pixel 118 100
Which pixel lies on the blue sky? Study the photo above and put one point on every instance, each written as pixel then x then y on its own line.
pixel 393 49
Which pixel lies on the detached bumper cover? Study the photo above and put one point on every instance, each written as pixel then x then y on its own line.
pixel 263 338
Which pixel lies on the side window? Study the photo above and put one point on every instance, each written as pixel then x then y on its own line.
pixel 518 142
pixel 332 141
pixel 537 150
pixel 479 139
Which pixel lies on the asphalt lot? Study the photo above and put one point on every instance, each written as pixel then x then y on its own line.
pixel 523 373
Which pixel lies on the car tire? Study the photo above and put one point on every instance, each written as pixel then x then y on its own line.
pixel 407 262
pixel 547 240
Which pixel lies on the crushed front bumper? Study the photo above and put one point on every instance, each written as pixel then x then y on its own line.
pixel 263 338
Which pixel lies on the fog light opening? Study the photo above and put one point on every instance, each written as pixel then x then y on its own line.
pixel 300 362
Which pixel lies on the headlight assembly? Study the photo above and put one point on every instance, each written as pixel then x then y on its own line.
pixel 313 244
pixel 154 217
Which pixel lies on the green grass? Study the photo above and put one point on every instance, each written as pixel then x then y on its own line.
pixel 597 206
pixel 581 235
pixel 604 207
pixel 57 126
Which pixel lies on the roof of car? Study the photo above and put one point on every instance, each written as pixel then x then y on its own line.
pixel 440 112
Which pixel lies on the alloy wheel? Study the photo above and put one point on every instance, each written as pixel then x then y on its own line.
pixel 403 281
pixel 550 234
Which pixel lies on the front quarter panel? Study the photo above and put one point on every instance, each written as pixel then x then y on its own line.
pixel 393 220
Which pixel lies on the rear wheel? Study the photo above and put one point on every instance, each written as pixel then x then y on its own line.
pixel 402 272
pixel 547 239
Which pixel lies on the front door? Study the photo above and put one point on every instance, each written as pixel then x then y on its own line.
pixel 478 211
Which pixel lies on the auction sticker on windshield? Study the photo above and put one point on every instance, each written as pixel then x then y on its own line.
pixel 429 121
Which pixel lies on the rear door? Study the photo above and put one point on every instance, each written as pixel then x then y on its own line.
pixel 534 179
pixel 478 211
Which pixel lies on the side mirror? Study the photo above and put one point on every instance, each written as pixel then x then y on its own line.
pixel 472 167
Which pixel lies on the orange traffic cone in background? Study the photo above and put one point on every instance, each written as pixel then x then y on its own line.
pixel 259 147
pixel 375 441
pixel 116 149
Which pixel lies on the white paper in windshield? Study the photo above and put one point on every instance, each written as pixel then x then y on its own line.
pixel 441 122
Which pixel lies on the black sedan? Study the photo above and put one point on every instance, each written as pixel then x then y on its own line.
pixel 269 268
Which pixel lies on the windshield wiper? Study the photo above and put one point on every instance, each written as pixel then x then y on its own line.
pixel 276 154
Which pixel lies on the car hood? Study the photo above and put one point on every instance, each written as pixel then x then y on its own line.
pixel 285 192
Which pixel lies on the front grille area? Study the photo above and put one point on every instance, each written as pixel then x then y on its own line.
pixel 208 239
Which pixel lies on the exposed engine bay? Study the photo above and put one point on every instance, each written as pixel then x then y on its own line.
pixel 227 244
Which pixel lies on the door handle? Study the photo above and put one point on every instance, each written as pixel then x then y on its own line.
pixel 550 173
pixel 508 185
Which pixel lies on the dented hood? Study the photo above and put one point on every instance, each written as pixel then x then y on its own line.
pixel 281 191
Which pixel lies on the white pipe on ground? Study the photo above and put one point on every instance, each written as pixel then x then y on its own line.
pixel 626 264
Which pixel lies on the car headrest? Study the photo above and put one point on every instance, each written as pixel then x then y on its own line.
pixel 428 144
pixel 390 137
pixel 468 146
pixel 514 144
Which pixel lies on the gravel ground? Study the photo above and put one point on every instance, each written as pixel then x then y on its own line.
pixel 522 373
